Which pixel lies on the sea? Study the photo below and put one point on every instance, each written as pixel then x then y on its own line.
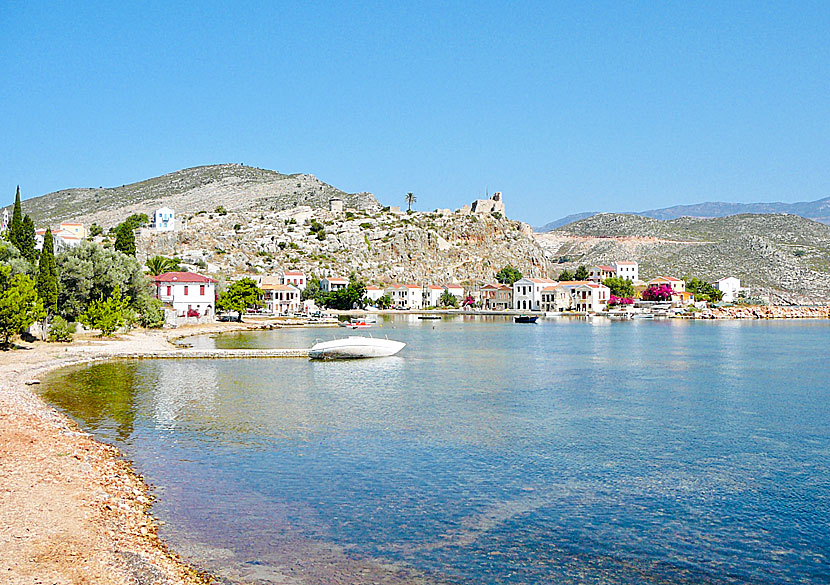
pixel 487 452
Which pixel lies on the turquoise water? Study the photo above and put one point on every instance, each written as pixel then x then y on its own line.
pixel 570 451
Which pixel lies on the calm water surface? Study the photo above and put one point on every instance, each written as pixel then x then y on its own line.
pixel 569 451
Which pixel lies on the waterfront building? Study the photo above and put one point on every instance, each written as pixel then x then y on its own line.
pixel 682 299
pixel 406 296
pixel 333 283
pixel 294 277
pixel 627 269
pixel 164 220
pixel 455 290
pixel 373 293
pixel 677 285
pixel 496 297
pixel 279 298
pixel 432 295
pixel 527 293
pixel 731 288
pixel 187 293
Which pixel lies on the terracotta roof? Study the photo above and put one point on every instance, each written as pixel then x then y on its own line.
pixel 573 282
pixel 293 273
pixel 606 268
pixel 182 277
pixel 454 286
pixel 669 278
pixel 285 287
pixel 435 287
pixel 373 287
pixel 337 279
pixel 540 280
pixel 626 262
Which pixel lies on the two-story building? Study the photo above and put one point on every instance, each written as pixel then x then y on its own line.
pixel 61 239
pixel 295 278
pixel 280 299
pixel 373 293
pixel 333 283
pixel 677 285
pixel 164 220
pixel 432 295
pixel 406 296
pixel 527 293
pixel 188 293
pixel 731 288
pixel 456 290
pixel 627 270
pixel 601 272
pixel 496 297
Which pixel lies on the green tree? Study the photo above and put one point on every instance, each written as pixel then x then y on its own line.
pixel 508 275
pixel 240 295
pixel 19 304
pixel 384 302
pixel 581 273
pixel 566 275
pixel 11 258
pixel 161 264
pixel 107 313
pixel 703 290
pixel 448 299
pixel 88 271
pixel 620 287
pixel 47 276
pixel 60 329
pixel 16 223
pixel 312 290
pixel 137 220
pixel 346 298
pixel 95 230
pixel 410 201
pixel 125 239
pixel 26 242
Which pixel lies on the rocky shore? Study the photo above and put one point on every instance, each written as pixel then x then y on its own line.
pixel 71 509
pixel 762 312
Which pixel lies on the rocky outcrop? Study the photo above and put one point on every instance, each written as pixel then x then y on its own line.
pixel 763 312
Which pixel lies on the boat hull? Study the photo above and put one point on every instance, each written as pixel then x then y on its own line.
pixel 355 348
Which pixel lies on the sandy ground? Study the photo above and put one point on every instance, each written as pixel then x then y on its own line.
pixel 71 510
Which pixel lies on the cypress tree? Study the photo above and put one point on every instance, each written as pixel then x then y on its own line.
pixel 125 239
pixel 16 223
pixel 26 242
pixel 47 277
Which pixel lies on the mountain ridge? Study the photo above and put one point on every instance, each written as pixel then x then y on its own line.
pixel 818 210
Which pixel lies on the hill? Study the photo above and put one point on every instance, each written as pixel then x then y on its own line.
pixel 233 186
pixel 784 256
pixel 815 210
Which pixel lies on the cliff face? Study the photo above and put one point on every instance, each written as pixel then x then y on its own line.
pixel 232 186
pixel 379 246
pixel 783 256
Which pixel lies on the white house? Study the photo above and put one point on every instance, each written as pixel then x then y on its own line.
pixel 627 270
pixel 5 222
pixel 77 229
pixel 294 277
pixel 591 297
pixel 527 293
pixel 281 299
pixel 373 293
pixel 407 296
pixel 333 283
pixel 432 295
pixel 190 294
pixel 731 288
pixel 601 272
pixel 456 290
pixel 164 220
pixel 61 239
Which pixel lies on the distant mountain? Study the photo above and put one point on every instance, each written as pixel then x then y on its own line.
pixel 816 210
pixel 233 186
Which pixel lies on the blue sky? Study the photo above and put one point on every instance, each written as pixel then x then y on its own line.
pixel 562 107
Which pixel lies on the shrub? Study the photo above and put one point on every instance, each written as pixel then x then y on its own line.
pixel 61 329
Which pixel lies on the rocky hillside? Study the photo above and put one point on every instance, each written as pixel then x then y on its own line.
pixel 233 186
pixel 816 210
pixel 784 256
pixel 379 245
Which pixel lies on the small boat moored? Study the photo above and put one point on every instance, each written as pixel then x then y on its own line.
pixel 525 319
pixel 355 347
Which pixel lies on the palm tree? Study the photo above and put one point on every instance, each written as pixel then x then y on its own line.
pixel 410 199
pixel 161 264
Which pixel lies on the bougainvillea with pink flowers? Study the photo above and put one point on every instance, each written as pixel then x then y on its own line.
pixel 662 292
pixel 613 301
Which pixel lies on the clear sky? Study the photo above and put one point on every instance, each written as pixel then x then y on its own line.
pixel 562 107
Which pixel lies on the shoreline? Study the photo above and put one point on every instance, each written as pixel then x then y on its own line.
pixel 72 508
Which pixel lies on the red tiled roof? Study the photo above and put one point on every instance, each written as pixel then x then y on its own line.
pixel 606 268
pixel 293 273
pixel 182 277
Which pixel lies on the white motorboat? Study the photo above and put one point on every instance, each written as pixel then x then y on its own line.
pixel 354 347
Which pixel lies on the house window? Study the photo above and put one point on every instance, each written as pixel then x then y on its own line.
pixel 202 290
pixel 185 291
pixel 169 289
